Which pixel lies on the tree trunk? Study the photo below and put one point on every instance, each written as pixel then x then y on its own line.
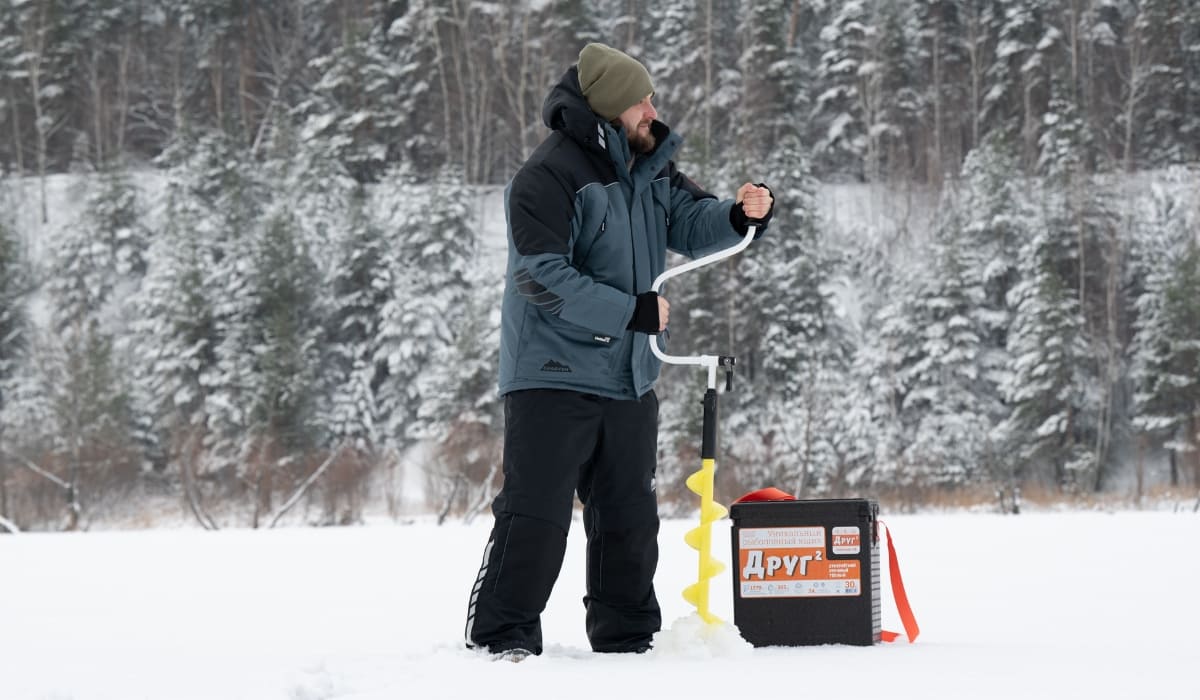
pixel 73 507
pixel 18 150
pixel 3 489
pixel 474 92
pixel 456 481
pixel 1111 371
pixel 246 69
pixel 187 468
pixel 179 120
pixel 123 60
pixel 304 487
pixel 216 74
pixel 514 81
pixel 1078 206
pixel 34 42
pixel 809 439
pixel 41 143
pixel 1073 42
pixel 1193 438
pixel 634 10
pixel 708 88
pixel 1140 472
pixel 483 495
pixel 96 88
pixel 440 60
pixel 459 54
pixel 935 176
pixel 1134 83
pixel 1029 122
pixel 975 36
pixel 264 465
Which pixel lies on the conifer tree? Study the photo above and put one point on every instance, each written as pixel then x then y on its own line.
pixel 83 374
pixel 995 221
pixel 362 287
pixel 14 286
pixel 1149 70
pixel 286 327
pixel 848 87
pixel 1186 86
pixel 227 195
pixel 14 331
pixel 88 403
pixel 358 108
pixel 431 258
pixel 1019 77
pixel 800 365
pixel 38 44
pixel 102 254
pixel 1048 427
pixel 175 335
pixel 883 364
pixel 276 331
pixel 674 57
pixel 894 103
pixel 943 45
pixel 948 398
pixel 84 369
pixel 1083 224
pixel 1165 352
pixel 461 410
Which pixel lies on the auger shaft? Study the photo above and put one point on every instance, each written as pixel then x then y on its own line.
pixel 701 482
pixel 700 538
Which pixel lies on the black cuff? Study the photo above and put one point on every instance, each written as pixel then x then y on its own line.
pixel 645 314
pixel 737 216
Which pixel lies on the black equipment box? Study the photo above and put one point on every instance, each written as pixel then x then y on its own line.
pixel 806 572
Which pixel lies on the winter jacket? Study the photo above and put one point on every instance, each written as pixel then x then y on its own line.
pixel 586 234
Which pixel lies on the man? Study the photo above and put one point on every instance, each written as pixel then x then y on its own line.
pixel 591 215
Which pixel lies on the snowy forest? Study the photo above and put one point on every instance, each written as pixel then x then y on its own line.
pixel 245 278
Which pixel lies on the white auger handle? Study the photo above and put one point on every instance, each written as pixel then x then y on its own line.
pixel 709 361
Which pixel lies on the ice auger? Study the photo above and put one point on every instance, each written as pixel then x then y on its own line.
pixel 701 482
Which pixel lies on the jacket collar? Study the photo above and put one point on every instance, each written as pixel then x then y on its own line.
pixel 666 145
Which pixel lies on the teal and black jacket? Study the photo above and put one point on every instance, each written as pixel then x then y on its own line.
pixel 586 234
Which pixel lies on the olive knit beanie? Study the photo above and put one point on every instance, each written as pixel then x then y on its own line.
pixel 612 82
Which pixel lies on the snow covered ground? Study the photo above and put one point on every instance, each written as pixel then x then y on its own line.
pixel 1044 605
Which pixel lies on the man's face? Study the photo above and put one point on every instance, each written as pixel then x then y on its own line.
pixel 636 121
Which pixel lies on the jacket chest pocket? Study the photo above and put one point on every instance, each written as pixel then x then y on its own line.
pixel 660 193
pixel 597 233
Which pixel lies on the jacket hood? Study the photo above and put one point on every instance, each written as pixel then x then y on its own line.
pixel 566 109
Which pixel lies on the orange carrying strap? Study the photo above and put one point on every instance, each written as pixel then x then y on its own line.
pixel 906 614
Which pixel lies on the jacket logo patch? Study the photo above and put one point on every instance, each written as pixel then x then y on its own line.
pixel 554 366
pixel 606 339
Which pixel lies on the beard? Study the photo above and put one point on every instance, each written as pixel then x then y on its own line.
pixel 640 142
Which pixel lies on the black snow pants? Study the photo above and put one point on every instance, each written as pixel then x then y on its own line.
pixel 558 444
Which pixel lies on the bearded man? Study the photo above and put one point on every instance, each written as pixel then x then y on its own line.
pixel 591 215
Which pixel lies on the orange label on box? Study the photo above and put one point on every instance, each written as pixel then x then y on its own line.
pixel 776 570
pixel 846 540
